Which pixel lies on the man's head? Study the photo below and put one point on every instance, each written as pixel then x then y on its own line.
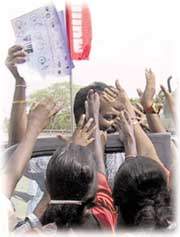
pixel 106 113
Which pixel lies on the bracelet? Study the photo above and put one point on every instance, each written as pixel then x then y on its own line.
pixel 130 156
pixel 20 85
pixel 19 102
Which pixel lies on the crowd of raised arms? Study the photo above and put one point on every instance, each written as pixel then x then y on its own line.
pixel 77 194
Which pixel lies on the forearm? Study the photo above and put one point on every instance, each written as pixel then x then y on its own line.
pixel 174 151
pixel 17 162
pixel 42 205
pixel 144 144
pixel 155 123
pixel 18 117
pixel 130 147
pixel 98 149
pixel 172 107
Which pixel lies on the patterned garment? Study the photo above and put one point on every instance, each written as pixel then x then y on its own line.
pixel 113 162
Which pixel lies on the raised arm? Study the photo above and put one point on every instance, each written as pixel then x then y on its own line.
pixel 124 125
pixel 92 111
pixel 18 117
pixel 37 120
pixel 152 115
pixel 170 102
pixel 149 106
pixel 143 143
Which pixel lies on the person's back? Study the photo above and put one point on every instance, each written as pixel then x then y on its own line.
pixel 141 194
pixel 73 185
pixel 71 177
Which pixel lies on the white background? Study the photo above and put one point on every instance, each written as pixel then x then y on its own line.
pixel 128 36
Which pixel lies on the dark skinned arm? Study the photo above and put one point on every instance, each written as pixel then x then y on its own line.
pixel 92 106
pixel 18 116
pixel 38 119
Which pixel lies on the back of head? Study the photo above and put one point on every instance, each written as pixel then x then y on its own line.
pixel 141 194
pixel 81 97
pixel 70 175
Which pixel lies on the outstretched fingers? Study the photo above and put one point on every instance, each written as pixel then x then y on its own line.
pixel 111 92
pixel 108 97
pixel 88 125
pixel 56 108
pixel 14 49
pixel 118 86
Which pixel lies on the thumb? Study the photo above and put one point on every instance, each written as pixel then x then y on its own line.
pixel 62 138
pixel 140 93
pixel 164 90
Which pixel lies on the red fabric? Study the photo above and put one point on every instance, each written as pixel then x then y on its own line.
pixel 78 22
pixel 104 210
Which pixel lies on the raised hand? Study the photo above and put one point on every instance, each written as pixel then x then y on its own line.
pixel 118 99
pixel 83 134
pixel 16 55
pixel 124 126
pixel 170 101
pixel 92 111
pixel 168 96
pixel 92 105
pixel 39 116
pixel 149 92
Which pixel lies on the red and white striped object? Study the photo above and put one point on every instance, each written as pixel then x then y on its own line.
pixel 79 30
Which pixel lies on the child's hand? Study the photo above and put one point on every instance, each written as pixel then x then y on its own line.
pixel 39 116
pixel 83 135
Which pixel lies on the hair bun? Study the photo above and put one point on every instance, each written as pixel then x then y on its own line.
pixel 146 216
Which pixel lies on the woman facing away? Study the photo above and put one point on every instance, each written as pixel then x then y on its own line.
pixel 141 187
pixel 71 183
pixel 142 195
pixel 80 197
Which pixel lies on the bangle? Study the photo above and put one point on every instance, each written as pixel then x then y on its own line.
pixel 20 85
pixel 130 156
pixel 19 102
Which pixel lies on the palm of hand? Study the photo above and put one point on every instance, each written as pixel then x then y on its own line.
pixel 38 118
pixel 93 104
pixel 81 138
pixel 124 126
pixel 149 92
pixel 125 132
pixel 119 99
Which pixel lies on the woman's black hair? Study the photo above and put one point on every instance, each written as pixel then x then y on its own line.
pixel 141 194
pixel 70 175
pixel 81 97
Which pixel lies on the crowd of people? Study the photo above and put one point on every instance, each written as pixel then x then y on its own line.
pixel 77 193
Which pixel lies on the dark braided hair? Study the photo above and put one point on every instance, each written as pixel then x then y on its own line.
pixel 141 194
pixel 70 175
